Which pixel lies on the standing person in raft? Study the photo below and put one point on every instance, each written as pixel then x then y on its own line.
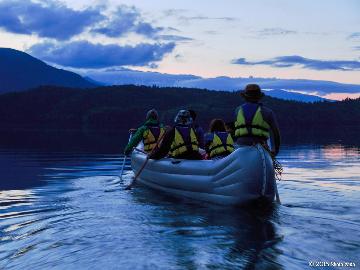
pixel 179 141
pixel 149 133
pixel 254 122
pixel 218 142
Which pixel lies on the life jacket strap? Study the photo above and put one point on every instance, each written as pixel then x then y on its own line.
pixel 188 146
pixel 149 143
pixel 252 126
pixel 221 145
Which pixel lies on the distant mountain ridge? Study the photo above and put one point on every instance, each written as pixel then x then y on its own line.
pixel 280 88
pixel 228 83
pixel 19 71
pixel 124 76
pixel 283 94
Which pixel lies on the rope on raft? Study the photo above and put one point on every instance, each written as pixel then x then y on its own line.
pixel 278 168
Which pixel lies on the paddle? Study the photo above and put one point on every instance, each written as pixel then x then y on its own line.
pixel 131 131
pixel 277 167
pixel 146 161
pixel 277 194
pixel 123 166
pixel 278 171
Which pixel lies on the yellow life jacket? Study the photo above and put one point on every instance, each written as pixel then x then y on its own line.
pixel 256 126
pixel 184 141
pixel 151 136
pixel 222 144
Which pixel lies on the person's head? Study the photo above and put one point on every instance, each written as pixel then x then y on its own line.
pixel 217 125
pixel 152 114
pixel 183 117
pixel 192 114
pixel 252 93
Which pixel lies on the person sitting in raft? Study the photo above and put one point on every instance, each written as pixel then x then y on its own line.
pixel 198 129
pixel 179 141
pixel 254 122
pixel 218 142
pixel 149 133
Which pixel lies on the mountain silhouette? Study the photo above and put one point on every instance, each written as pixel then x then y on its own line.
pixel 287 95
pixel 19 71
pixel 289 89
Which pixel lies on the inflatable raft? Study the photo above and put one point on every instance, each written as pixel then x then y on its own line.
pixel 245 175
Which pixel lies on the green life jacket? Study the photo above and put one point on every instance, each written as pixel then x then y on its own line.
pixel 184 141
pixel 255 127
pixel 222 144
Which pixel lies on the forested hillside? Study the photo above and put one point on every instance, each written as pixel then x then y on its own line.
pixel 123 107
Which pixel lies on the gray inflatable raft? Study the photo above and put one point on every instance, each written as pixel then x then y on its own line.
pixel 245 175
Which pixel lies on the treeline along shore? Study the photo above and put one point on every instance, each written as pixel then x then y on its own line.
pixel 118 108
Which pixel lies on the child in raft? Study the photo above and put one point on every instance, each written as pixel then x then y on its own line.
pixel 218 142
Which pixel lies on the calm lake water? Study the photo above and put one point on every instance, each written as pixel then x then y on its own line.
pixel 68 210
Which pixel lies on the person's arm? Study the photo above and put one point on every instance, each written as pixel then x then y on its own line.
pixel 208 139
pixel 135 140
pixel 230 126
pixel 163 149
pixel 276 133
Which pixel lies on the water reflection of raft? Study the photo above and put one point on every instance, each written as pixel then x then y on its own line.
pixel 245 175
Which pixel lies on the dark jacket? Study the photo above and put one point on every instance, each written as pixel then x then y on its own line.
pixel 164 148
pixel 270 118
pixel 199 134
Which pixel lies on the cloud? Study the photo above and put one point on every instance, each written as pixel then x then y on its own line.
pixel 48 19
pixel 174 12
pixel 83 54
pixel 295 60
pixel 355 35
pixel 181 15
pixel 146 29
pixel 174 38
pixel 275 32
pixel 126 20
pixel 211 32
pixel 205 18
pixel 51 19
pixel 172 29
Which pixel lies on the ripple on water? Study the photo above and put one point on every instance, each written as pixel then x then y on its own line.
pixel 57 212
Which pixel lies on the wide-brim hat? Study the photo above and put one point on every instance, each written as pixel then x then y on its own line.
pixel 252 91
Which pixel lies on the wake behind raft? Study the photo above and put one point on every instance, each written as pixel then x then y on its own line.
pixel 246 175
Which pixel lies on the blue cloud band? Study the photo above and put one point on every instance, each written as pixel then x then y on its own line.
pixel 46 19
pixel 50 19
pixel 295 60
pixel 124 20
pixel 83 54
